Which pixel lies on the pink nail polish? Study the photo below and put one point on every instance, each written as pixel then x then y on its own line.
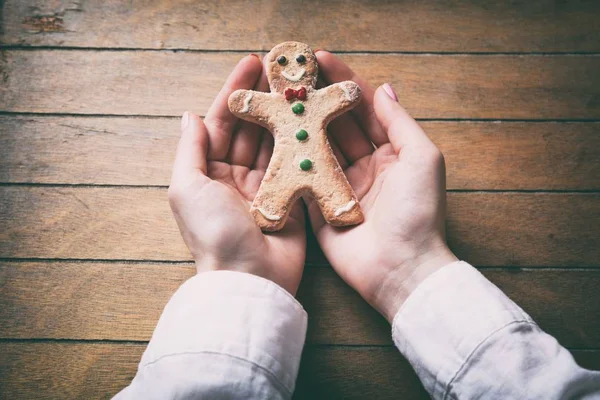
pixel 184 120
pixel 388 89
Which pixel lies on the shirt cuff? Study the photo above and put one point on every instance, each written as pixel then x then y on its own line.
pixel 448 316
pixel 234 314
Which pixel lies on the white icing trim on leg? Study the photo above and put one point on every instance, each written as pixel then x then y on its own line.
pixel 345 208
pixel 268 216
pixel 247 103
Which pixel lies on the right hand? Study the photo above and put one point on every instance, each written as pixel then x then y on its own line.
pixel 400 182
pixel 217 171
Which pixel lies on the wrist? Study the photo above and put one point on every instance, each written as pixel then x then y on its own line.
pixel 401 281
pixel 209 263
pixel 289 280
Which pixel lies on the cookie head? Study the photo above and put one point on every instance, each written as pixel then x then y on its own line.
pixel 291 65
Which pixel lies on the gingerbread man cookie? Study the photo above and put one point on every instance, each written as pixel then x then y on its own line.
pixel 297 115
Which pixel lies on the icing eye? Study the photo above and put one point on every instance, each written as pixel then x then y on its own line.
pixel 300 58
pixel 282 60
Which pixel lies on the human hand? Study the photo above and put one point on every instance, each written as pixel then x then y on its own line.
pixel 398 175
pixel 218 168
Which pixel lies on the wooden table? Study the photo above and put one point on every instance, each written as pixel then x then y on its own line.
pixel 90 96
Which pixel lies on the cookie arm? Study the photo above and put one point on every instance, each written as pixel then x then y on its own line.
pixel 250 105
pixel 339 98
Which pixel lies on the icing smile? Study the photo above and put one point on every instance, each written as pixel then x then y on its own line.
pixel 294 78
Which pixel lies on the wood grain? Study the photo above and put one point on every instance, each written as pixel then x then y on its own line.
pixel 100 370
pixel 98 59
pixel 66 370
pixel 117 151
pixel 430 86
pixel 487 229
pixel 356 373
pixel 140 151
pixel 123 301
pixel 432 25
pixel 534 229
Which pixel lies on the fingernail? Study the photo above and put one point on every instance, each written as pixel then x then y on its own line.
pixel 388 89
pixel 317 49
pixel 254 55
pixel 184 120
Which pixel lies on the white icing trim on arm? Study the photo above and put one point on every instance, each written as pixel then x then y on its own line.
pixel 346 91
pixel 247 103
pixel 268 216
pixel 294 78
pixel 345 208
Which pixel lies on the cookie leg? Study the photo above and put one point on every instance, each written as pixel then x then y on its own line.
pixel 337 202
pixel 271 206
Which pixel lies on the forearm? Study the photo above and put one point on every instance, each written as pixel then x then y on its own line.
pixel 224 334
pixel 466 339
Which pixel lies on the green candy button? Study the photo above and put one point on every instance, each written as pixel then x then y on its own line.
pixel 298 108
pixel 302 135
pixel 305 165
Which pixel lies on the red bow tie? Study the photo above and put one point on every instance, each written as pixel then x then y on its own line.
pixel 291 94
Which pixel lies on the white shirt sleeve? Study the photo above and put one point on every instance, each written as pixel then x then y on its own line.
pixel 223 335
pixel 466 340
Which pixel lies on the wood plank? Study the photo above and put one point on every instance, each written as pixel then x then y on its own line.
pixel 123 301
pixel 66 370
pixel 114 151
pixel 168 83
pixel 100 370
pixel 100 223
pixel 587 359
pixel 356 373
pixel 437 26
pixel 139 151
pixel 518 229
pixel 521 156
pixel 487 229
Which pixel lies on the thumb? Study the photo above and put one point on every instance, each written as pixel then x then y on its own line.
pixel 190 157
pixel 401 128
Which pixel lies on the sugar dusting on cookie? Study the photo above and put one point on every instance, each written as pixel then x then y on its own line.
pixel 297 114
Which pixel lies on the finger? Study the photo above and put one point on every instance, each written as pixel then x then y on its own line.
pixel 190 157
pixel 219 120
pixel 264 152
pixel 335 147
pixel 244 144
pixel 351 140
pixel 401 128
pixel 317 221
pixel 320 82
pixel 335 70
pixel 246 140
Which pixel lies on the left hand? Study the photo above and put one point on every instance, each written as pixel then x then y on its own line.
pixel 218 168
